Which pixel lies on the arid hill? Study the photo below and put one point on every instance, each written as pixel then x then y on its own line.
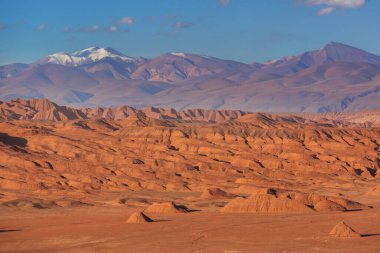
pixel 38 109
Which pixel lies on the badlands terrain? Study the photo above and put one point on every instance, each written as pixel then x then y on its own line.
pixel 160 180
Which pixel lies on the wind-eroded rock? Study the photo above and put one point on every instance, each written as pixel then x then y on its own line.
pixel 289 202
pixel 343 230
pixel 167 207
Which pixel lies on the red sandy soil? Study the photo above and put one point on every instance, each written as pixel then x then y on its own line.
pixel 104 230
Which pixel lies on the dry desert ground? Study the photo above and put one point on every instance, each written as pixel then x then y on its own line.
pixel 71 181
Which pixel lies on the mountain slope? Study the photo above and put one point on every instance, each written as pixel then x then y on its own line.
pixel 173 67
pixel 332 52
pixel 10 70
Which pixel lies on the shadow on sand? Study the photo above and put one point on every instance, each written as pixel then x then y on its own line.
pixel 9 230
pixel 368 235
pixel 12 141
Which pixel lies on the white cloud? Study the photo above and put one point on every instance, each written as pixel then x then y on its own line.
pixel 41 27
pixel 182 25
pixel 113 28
pixel 326 11
pixel 66 29
pixel 338 3
pixel 171 16
pixel 102 29
pixel 177 27
pixel 94 28
pixel 328 6
pixel 128 20
pixel 3 26
pixel 224 2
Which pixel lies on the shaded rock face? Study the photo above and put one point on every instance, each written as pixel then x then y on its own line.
pixel 138 217
pixel 289 202
pixel 328 206
pixel 216 193
pixel 168 207
pixel 343 230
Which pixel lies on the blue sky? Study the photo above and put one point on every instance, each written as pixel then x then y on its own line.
pixel 243 30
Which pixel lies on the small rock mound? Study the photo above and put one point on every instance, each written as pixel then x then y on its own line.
pixel 216 193
pixel 343 230
pixel 167 207
pixel 138 217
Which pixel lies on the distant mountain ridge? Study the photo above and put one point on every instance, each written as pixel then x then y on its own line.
pixel 336 77
pixel 43 109
pixel 332 52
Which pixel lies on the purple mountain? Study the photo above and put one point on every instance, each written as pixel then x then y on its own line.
pixel 336 77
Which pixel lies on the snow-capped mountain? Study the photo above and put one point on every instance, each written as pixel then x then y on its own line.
pixel 336 77
pixel 88 55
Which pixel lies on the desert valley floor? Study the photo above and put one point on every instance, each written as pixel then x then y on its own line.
pixel 212 181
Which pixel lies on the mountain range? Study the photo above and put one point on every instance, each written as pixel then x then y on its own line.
pixel 336 77
pixel 43 110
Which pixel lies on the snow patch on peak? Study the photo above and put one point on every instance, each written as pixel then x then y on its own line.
pixel 178 54
pixel 98 53
pixel 86 51
pixel 206 56
pixel 64 59
pixel 281 60
pixel 88 55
